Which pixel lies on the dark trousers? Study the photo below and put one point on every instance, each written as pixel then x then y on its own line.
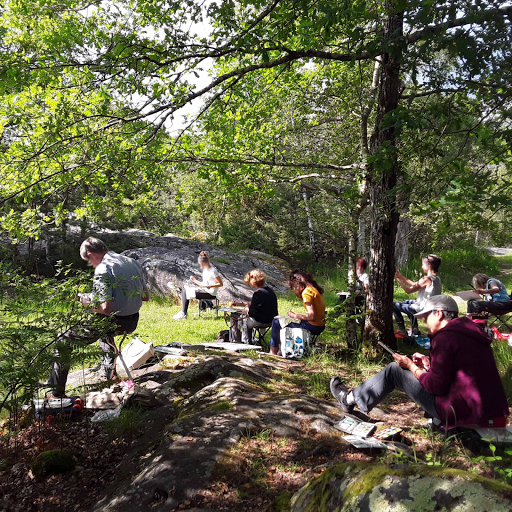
pixel 73 338
pixel 370 393
pixel 479 306
pixel 201 295
pixel 275 337
pixel 407 307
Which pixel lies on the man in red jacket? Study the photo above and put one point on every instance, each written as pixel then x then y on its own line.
pixel 458 383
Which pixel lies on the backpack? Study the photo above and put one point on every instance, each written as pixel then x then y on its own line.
pixel 45 408
pixel 223 336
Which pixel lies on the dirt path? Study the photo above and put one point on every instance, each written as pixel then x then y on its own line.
pixel 500 251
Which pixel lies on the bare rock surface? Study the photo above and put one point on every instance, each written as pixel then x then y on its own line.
pixel 169 261
pixel 363 487
pixel 214 402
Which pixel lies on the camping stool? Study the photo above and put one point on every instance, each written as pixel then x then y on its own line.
pixel 215 306
pixel 313 338
pixel 261 330
pixel 119 355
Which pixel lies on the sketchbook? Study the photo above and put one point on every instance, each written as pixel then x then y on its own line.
pixel 469 295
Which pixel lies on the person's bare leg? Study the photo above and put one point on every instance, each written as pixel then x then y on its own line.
pixel 274 350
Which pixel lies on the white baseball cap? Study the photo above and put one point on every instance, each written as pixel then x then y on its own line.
pixel 438 303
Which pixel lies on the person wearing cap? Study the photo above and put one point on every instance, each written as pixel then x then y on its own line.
pixel 458 384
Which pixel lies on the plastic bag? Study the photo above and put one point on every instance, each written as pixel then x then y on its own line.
pixel 108 414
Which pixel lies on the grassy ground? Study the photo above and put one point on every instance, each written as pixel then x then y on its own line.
pixel 157 325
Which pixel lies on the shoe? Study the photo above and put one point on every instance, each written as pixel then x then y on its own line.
pixel 180 316
pixel 340 392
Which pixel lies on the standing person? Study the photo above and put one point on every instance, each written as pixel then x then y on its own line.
pixel 207 287
pixel 118 293
pixel 426 287
pixel 458 384
pixel 306 288
pixel 263 306
pixel 494 291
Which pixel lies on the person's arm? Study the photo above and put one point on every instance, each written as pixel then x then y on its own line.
pixel 414 287
pixel 105 308
pixel 217 284
pixel 438 379
pixel 256 305
pixel 488 291
pixel 408 364
pixel 402 280
pixel 310 315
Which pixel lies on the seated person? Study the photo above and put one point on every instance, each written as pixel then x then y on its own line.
pixel 306 288
pixel 496 296
pixel 263 306
pixel 362 282
pixel 458 384
pixel 426 287
pixel 118 293
pixel 211 283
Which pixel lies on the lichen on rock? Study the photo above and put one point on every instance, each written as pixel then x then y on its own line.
pixel 363 487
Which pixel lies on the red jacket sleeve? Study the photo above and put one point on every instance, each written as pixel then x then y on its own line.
pixel 439 378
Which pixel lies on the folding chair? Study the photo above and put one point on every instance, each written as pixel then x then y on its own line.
pixel 261 331
pixel 204 304
pixel 119 355
pixel 501 317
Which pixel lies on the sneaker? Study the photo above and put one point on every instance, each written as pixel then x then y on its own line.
pixel 340 392
pixel 180 316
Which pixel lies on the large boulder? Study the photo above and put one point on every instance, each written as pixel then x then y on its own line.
pixel 366 487
pixel 214 402
pixel 169 264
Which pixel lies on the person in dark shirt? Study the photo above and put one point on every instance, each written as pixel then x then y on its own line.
pixel 458 384
pixel 263 306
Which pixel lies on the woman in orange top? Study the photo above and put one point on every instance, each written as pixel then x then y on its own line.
pixel 306 288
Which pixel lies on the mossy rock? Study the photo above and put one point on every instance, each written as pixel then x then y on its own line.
pixel 365 487
pixel 281 503
pixel 51 462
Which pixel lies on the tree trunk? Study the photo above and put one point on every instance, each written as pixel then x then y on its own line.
pixel 383 171
pixel 312 242
pixel 350 306
pixel 402 242
pixel 361 236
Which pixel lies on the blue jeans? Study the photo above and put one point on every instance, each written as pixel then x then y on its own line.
pixel 275 337
pixel 407 307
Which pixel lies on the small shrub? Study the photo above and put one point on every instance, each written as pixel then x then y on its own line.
pixel 52 461
pixel 125 424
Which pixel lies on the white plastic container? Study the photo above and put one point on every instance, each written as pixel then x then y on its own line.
pixel 136 353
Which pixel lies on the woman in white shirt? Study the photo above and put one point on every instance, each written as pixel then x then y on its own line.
pixel 207 287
